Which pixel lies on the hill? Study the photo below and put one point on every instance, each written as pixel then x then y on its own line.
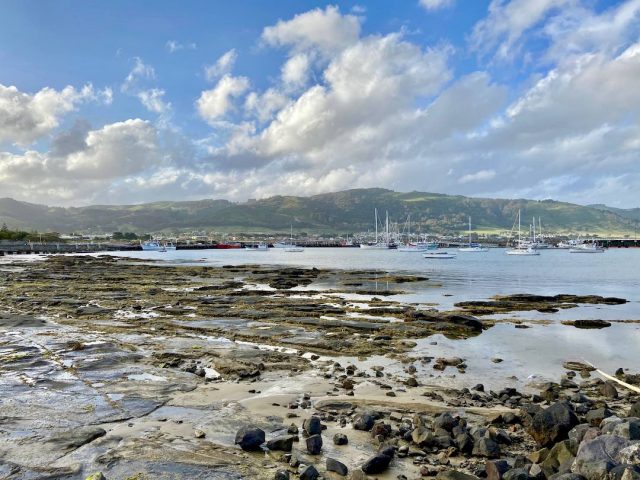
pixel 346 211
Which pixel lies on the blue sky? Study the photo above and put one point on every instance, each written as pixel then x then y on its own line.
pixel 125 102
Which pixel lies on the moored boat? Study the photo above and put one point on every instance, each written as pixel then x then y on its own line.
pixel 441 255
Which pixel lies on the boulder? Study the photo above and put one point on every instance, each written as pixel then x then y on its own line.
pixel 308 472
pixel 376 464
pixel 282 475
pixel 516 474
pixel 312 426
pixel 364 421
pixel 595 417
pixel 454 475
pixel 283 443
pixel 634 411
pixel 553 424
pixel 250 438
pixel 445 421
pixel 609 390
pixel 314 444
pixel 597 457
pixel 625 472
pixel 336 466
pixel 486 447
pixel 629 429
pixel 559 459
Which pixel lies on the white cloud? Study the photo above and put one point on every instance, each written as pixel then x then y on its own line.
pixel 140 72
pixel 153 100
pixel 173 46
pixel 265 105
pixel 216 102
pixel 508 21
pixel 435 4
pixel 326 30
pixel 295 71
pixel 223 65
pixel 481 176
pixel 26 117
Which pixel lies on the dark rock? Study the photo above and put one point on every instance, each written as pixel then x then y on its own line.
pixel 422 437
pixel 376 464
pixel 634 411
pixel 283 443
pixel 445 421
pixel 553 424
pixel 314 444
pixel 595 417
pixel 282 475
pixel 340 439
pixel 73 439
pixel 495 469
pixel 625 472
pixel 589 323
pixel 629 429
pixel 334 465
pixel 609 390
pixel 465 443
pixel 486 447
pixel 381 428
pixel 309 473
pixel 250 438
pixel 312 426
pixel 516 474
pixel 364 421
pixel 454 475
pixel 559 459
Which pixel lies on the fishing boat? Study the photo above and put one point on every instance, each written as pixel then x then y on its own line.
pixel 473 247
pixel 521 249
pixel 439 255
pixel 259 247
pixel 292 248
pixel 592 247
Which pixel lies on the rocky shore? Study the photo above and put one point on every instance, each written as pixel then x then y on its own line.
pixel 121 369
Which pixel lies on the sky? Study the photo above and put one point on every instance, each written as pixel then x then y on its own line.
pixel 125 102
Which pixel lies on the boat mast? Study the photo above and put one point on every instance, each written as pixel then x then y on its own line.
pixel 519 241
pixel 469 230
pixel 376 213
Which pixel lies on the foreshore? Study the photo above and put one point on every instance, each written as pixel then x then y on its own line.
pixel 135 369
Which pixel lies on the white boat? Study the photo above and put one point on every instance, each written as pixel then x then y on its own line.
pixel 417 247
pixel 156 246
pixel 472 247
pixel 521 249
pixel 281 245
pixel 378 245
pixel 292 247
pixel 260 247
pixel 587 248
pixel 440 255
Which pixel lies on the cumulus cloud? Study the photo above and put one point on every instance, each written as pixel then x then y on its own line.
pixel 435 4
pixel 140 72
pixel 153 100
pixel 26 117
pixel 215 103
pixel 223 65
pixel 325 30
pixel 296 69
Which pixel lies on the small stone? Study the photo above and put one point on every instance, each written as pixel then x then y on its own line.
pixel 340 439
pixel 250 438
pixel 376 464
pixel 198 433
pixel 309 472
pixel 312 426
pixel 282 475
pixel 283 443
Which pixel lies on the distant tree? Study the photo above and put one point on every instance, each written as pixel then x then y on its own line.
pixel 4 227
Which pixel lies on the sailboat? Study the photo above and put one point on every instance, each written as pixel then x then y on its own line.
pixel 420 246
pixel 473 247
pixel 521 249
pixel 378 245
pixel 292 247
pixel 591 247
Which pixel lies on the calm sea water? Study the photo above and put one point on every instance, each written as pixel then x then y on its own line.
pixel 530 355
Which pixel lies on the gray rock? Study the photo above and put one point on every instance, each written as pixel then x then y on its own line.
pixel 629 429
pixel 559 459
pixel 250 437
pixel 464 442
pixel 595 417
pixel 73 439
pixel 312 426
pixel 336 466
pixel 553 424
pixel 516 474
pixel 486 447
pixel 314 444
pixel 445 421
pixel 597 457
pixel 634 411
pixel 630 454
pixel 609 390
pixel 454 475
pixel 376 464
pixel 625 472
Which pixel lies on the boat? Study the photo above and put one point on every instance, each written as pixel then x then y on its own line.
pixel 280 245
pixel 292 247
pixel 473 247
pixel 592 247
pixel 440 255
pixel 156 246
pixel 259 247
pixel 521 249
pixel 378 245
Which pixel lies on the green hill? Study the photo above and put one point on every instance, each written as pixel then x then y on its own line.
pixel 346 211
